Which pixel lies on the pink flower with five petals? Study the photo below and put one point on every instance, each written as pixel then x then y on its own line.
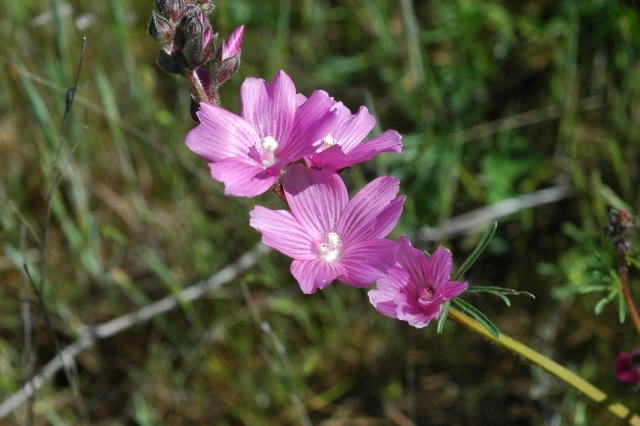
pixel 417 286
pixel 329 236
pixel 248 152
pixel 628 367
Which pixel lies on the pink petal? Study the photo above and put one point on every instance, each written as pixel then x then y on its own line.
pixel 221 134
pixel 358 220
pixel 411 260
pixel 242 178
pixel 300 99
pixel 387 220
pixel 316 199
pixel 352 129
pixel 282 232
pixel 367 261
pixel 453 289
pixel 314 274
pixel 270 107
pixel 233 43
pixel 389 289
pixel 389 141
pixel 438 267
pixel 313 121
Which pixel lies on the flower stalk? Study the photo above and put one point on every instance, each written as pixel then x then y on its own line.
pixel 534 357
pixel 623 271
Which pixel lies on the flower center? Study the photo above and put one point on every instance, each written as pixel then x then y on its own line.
pixel 328 141
pixel 268 146
pixel 426 295
pixel 330 248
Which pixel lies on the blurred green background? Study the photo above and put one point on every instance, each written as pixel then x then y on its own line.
pixel 494 100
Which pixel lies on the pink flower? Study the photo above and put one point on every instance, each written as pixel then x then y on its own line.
pixel 329 236
pixel 231 47
pixel 417 286
pixel 344 146
pixel 628 367
pixel 247 153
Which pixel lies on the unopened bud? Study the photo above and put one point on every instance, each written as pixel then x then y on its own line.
pixel 162 31
pixel 196 39
pixel 233 44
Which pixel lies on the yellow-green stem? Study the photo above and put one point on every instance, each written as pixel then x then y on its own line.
pixel 551 366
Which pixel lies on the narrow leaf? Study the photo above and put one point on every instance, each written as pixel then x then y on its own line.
pixel 604 302
pixel 443 316
pixel 472 311
pixel 475 254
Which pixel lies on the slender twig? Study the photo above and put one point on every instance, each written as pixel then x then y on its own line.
pixel 469 221
pixel 547 364
pixel 623 271
pixel 110 328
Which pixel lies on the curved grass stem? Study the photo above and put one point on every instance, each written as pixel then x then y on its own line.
pixel 562 373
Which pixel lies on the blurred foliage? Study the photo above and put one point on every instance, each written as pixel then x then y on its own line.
pixel 494 99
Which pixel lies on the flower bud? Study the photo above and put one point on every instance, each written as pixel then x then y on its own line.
pixel 162 31
pixel 196 39
pixel 232 46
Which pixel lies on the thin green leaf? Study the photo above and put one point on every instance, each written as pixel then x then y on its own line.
pixel 475 254
pixel 443 316
pixel 472 311
pixel 502 290
pixel 604 302
pixel 504 298
pixel 622 308
pixel 591 288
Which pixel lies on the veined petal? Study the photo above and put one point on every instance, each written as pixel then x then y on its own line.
pixel 359 217
pixel 270 107
pixel 233 43
pixel 314 120
pixel 366 262
pixel 352 129
pixel 314 274
pixel 437 268
pixel 411 260
pixel 221 134
pixel 243 178
pixel 389 288
pixel 316 198
pixel 282 232
pixel 387 220
pixel 452 289
pixel 389 141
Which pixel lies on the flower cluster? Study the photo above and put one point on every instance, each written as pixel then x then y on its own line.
pixel 304 143
pixel 189 45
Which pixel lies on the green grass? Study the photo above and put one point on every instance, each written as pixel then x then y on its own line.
pixel 135 215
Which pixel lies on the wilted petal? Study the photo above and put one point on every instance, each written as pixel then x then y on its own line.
pixel 316 198
pixel 282 232
pixel 233 43
pixel 366 262
pixel 314 274
pixel 243 178
pixel 221 134
pixel 358 220
pixel 314 120
pixel 270 107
